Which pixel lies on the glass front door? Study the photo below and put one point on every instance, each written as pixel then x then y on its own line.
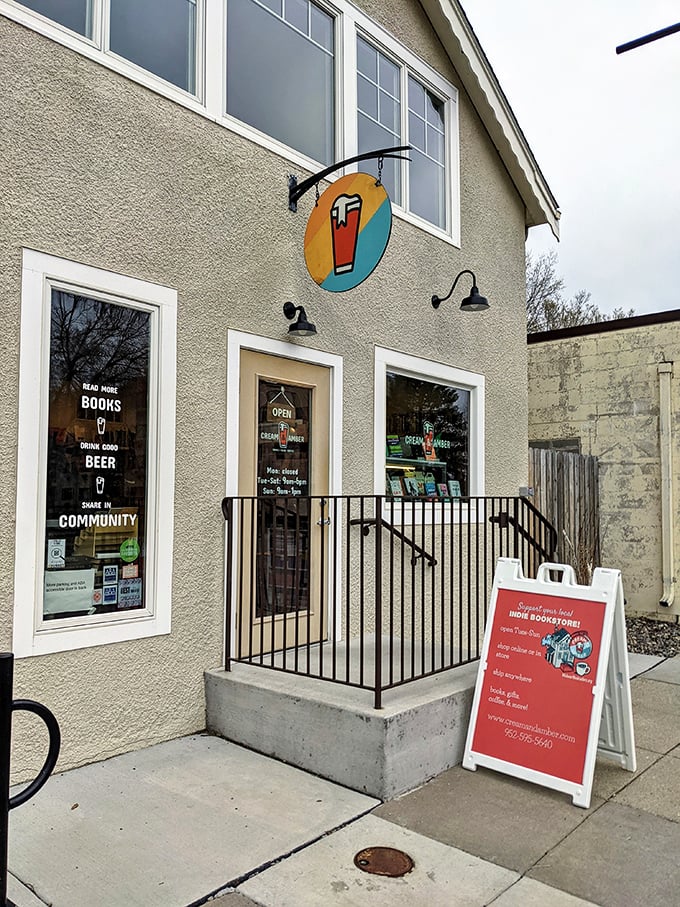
pixel 284 464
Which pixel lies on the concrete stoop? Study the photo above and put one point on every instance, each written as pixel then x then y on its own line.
pixel 334 732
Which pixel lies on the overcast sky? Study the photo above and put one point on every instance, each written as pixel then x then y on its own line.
pixel 605 129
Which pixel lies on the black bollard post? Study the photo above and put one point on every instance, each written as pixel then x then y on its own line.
pixel 6 674
pixel 7 706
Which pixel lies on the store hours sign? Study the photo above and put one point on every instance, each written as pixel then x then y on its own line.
pixel 95 518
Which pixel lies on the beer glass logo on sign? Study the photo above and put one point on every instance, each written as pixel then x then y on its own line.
pixel 347 232
pixel 345 218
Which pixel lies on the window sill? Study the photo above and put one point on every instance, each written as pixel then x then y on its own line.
pixel 46 642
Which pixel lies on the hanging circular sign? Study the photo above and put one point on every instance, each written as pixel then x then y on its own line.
pixel 347 232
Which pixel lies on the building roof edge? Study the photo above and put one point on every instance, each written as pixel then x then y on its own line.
pixel 604 327
pixel 479 80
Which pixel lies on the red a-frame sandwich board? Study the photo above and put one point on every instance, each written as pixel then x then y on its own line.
pixel 553 687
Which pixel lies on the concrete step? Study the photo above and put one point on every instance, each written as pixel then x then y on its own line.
pixel 333 730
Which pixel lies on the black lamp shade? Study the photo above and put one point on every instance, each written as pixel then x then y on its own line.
pixel 475 302
pixel 301 327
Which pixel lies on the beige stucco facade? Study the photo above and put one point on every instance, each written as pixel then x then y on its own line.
pixel 603 386
pixel 100 170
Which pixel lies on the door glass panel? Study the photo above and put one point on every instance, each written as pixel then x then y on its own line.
pixel 283 482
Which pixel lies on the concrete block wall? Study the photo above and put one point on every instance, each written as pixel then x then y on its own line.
pixel 603 389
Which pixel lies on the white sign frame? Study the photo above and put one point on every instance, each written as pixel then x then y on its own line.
pixel 610 731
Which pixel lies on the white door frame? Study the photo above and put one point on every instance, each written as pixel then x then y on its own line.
pixel 239 340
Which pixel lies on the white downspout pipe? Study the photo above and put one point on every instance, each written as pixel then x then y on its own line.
pixel 665 371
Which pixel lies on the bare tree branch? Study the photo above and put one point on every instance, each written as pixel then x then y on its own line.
pixel 547 309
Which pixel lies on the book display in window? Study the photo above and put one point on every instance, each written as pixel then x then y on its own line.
pixel 395 487
pixel 427 437
pixel 411 487
pixel 394 448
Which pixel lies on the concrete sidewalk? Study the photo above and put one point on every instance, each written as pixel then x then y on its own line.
pixel 200 820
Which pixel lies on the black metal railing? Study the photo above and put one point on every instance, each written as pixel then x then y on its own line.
pixel 7 707
pixel 369 591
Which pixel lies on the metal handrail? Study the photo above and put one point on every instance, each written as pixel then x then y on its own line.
pixel 366 524
pixel 505 518
pixel 546 525
pixel 402 612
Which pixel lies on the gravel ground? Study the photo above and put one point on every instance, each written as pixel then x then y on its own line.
pixel 652 637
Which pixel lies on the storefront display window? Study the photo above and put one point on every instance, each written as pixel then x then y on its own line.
pixel 427 441
pixel 95 471
pixel 95 526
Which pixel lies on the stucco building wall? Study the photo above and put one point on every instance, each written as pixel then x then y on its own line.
pixel 97 169
pixel 603 389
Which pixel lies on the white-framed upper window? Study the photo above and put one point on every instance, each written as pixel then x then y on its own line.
pixel 159 36
pixel 429 429
pixel 281 72
pixel 394 107
pixel 315 81
pixel 75 15
pixel 96 426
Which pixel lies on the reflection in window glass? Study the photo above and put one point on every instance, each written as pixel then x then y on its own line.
pixel 280 73
pixel 427 173
pixel 96 458
pixel 389 76
pixel 367 94
pixel 367 60
pixel 74 14
pixel 379 110
pixel 427 438
pixel 158 35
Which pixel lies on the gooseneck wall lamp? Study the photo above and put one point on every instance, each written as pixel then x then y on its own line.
pixel 475 302
pixel 301 327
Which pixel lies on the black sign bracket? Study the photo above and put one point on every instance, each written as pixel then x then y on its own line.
pixel 297 190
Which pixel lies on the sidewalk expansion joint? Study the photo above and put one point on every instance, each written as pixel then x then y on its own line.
pixel 30 888
pixel 239 880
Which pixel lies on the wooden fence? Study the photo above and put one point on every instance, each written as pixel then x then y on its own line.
pixel 566 491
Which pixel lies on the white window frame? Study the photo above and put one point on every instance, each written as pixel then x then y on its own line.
pixel 97 48
pixel 240 340
pixel 409 65
pixel 268 141
pixel 33 635
pixel 387 360
pixel 210 98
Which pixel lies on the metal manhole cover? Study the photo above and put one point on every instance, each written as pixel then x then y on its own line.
pixel 384 861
